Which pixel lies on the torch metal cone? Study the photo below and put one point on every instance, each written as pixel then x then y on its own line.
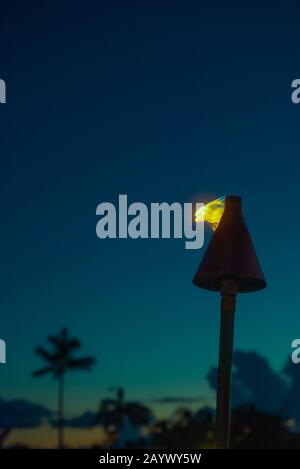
pixel 231 254
pixel 229 266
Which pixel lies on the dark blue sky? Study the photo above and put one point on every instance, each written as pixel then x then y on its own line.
pixel 163 101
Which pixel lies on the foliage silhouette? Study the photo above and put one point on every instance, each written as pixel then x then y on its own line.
pixel 114 413
pixel 253 429
pixel 185 430
pixel 60 359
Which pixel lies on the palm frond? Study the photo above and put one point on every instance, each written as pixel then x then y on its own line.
pixel 56 341
pixel 60 339
pixel 43 371
pixel 61 357
pixel 42 352
pixel 73 344
pixel 84 363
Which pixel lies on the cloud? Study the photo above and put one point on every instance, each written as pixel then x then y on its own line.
pixel 254 382
pixel 267 387
pixel 178 400
pixel 20 413
pixel 85 420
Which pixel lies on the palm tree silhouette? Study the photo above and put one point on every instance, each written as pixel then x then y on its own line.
pixel 59 360
pixel 113 413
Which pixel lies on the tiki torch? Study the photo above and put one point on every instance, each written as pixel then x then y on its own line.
pixel 229 266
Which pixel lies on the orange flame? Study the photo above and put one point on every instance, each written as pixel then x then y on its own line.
pixel 211 212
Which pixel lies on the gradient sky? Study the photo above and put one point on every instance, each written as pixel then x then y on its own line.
pixel 163 101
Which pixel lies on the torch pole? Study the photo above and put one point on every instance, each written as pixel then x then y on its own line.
pixel 228 294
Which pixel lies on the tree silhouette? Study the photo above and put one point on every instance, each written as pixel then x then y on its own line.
pixel 60 359
pixel 185 429
pixel 291 405
pixel 113 413
pixel 254 429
